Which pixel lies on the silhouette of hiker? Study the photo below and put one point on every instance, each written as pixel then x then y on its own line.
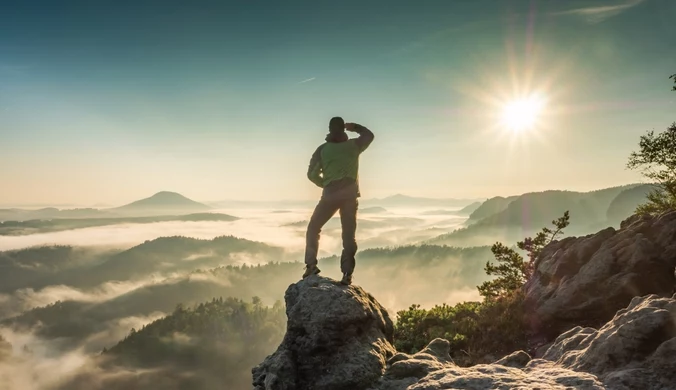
pixel 334 167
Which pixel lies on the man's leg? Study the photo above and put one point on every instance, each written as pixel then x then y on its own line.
pixel 348 221
pixel 323 212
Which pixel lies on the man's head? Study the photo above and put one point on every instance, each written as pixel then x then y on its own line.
pixel 336 125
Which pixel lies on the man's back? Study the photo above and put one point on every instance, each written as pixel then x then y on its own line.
pixel 340 160
pixel 334 166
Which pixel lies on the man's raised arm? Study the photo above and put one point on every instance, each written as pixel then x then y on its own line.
pixel 365 135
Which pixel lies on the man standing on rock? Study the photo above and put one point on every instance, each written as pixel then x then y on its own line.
pixel 334 167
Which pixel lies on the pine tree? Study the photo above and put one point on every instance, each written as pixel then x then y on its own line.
pixel 512 270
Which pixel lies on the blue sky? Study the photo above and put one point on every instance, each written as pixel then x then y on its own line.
pixel 110 101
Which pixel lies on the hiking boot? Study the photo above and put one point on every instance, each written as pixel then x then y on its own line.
pixel 347 279
pixel 311 270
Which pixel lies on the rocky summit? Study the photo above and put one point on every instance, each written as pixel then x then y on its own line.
pixel 338 337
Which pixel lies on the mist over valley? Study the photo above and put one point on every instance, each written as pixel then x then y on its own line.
pixel 72 288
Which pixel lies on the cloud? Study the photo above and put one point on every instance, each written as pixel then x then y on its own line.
pixel 307 80
pixel 116 330
pixel 28 298
pixel 37 363
pixel 125 236
pixel 47 355
pixel 255 224
pixel 600 13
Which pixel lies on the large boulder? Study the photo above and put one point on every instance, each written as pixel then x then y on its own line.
pixel 583 281
pixel 337 338
pixel 635 350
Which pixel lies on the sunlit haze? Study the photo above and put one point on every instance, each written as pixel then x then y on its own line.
pixel 106 102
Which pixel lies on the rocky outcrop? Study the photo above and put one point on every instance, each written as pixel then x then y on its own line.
pixel 337 338
pixel 635 350
pixel 433 369
pixel 340 338
pixel 583 281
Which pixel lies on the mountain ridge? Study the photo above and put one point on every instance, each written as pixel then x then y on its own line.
pixel 512 219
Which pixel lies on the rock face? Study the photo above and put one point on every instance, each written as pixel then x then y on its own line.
pixel 337 338
pixel 633 351
pixel 583 281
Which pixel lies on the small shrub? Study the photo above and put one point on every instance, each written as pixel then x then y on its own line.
pixel 481 332
pixel 478 332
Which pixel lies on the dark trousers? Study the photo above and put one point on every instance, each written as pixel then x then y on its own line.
pixel 326 208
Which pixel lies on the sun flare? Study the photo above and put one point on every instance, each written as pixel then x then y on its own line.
pixel 522 114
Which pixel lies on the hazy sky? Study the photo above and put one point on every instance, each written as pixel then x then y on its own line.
pixel 110 101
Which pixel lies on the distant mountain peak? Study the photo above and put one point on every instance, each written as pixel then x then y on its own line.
pixel 168 195
pixel 166 201
pixel 399 197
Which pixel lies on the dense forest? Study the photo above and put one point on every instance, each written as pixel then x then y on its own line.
pixel 213 343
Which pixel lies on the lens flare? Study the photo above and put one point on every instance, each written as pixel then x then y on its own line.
pixel 522 114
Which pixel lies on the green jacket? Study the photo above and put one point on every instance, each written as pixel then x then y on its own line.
pixel 334 166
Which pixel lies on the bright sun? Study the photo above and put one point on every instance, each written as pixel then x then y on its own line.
pixel 520 115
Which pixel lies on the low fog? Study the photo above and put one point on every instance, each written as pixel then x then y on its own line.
pixel 285 229
pixel 70 295
pixel 195 304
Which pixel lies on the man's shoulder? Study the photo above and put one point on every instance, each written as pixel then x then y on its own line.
pixel 338 147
